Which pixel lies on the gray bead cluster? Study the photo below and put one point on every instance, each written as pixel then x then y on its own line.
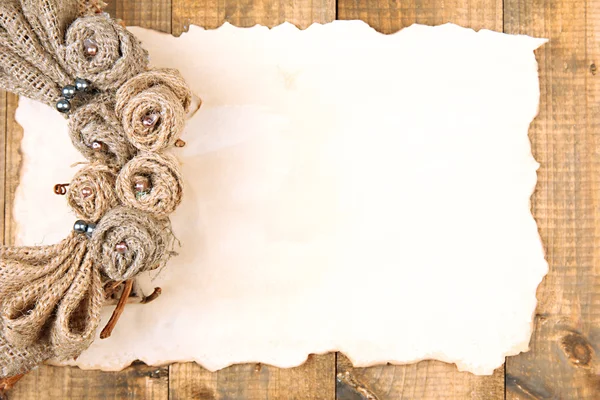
pixel 83 227
pixel 64 105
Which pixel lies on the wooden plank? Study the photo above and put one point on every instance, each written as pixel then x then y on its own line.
pixel 563 362
pixel 152 14
pixel 138 381
pixel 427 379
pixel 3 136
pixel 316 378
pixel 312 380
pixel 211 14
pixel 424 380
pixel 14 134
pixel 389 16
pixel 111 7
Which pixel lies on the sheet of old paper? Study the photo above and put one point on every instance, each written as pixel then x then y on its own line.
pixel 345 190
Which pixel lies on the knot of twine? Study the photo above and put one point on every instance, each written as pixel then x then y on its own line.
pixel 97 133
pixel 160 94
pixel 119 57
pixel 91 192
pixel 165 184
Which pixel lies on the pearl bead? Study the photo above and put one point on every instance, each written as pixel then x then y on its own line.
pixel 90 47
pixel 150 120
pixel 69 91
pixel 141 184
pixel 121 247
pixel 86 192
pixel 80 226
pixel 81 85
pixel 90 230
pixel 63 105
pixel 98 146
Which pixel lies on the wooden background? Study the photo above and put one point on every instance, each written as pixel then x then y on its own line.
pixel 563 362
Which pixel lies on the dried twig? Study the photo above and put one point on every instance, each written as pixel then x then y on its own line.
pixel 152 296
pixel 107 331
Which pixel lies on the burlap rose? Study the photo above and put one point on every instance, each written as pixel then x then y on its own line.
pixel 92 192
pixel 165 184
pixel 97 133
pixel 152 107
pixel 145 242
pixel 119 56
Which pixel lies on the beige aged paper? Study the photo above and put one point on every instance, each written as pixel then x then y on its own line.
pixel 345 190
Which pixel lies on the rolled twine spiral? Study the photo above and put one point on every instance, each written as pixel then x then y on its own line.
pixel 165 179
pixel 148 240
pixel 119 54
pixel 92 192
pixel 161 95
pixel 98 135
pixel 51 296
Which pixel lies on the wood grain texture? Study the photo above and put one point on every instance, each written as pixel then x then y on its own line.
pixel 151 14
pixel 14 134
pixel 427 379
pixel 424 380
pixel 61 383
pixel 213 13
pixel 564 363
pixel 312 380
pixel 3 210
pixel 389 16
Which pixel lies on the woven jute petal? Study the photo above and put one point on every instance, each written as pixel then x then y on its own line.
pixel 78 314
pixel 16 360
pixel 50 301
pixel 50 19
pixel 19 37
pixel 21 77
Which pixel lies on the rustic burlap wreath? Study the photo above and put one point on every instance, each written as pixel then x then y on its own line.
pixel 122 116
